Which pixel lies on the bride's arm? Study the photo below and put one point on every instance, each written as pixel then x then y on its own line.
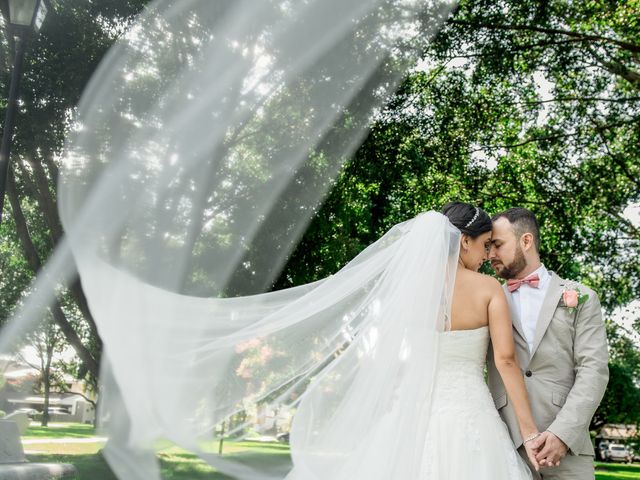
pixel 506 362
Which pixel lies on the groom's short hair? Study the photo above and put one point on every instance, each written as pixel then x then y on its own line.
pixel 523 221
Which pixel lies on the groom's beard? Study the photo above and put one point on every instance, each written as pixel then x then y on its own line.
pixel 514 268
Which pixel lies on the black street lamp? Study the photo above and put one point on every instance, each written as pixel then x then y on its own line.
pixel 25 16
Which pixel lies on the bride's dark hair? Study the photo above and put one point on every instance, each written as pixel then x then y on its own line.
pixel 470 220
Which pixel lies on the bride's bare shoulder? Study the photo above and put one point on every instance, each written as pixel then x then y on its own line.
pixel 481 280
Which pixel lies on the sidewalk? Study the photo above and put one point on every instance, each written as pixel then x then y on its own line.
pixel 35 441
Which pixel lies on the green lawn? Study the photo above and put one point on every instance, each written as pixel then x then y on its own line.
pixel 613 471
pixel 178 464
pixel 175 464
pixel 60 430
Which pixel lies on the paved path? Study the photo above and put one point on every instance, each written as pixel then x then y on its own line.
pixel 37 471
pixel 35 441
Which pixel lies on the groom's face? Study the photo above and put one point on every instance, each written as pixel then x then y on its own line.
pixel 506 255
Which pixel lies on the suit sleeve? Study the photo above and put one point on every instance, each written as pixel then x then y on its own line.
pixel 591 359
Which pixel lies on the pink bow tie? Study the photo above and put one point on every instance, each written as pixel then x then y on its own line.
pixel 514 284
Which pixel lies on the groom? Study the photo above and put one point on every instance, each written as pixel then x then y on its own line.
pixel 562 350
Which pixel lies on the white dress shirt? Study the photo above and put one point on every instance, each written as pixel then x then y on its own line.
pixel 527 301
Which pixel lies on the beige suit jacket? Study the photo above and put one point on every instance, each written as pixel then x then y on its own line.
pixel 567 371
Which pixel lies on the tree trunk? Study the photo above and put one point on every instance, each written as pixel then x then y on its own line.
pixel 220 445
pixel 39 188
pixel 33 259
pixel 47 386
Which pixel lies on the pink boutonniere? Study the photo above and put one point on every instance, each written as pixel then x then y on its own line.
pixel 573 298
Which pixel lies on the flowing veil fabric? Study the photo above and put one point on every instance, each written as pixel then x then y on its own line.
pixel 365 339
pixel 201 149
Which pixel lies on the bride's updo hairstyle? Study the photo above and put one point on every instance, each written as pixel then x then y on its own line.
pixel 470 220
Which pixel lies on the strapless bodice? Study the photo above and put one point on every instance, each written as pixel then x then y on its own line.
pixel 460 382
pixel 463 348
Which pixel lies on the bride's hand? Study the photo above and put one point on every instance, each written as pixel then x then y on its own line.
pixel 532 447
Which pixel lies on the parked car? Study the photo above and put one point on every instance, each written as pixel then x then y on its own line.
pixel 31 412
pixel 617 452
pixel 54 410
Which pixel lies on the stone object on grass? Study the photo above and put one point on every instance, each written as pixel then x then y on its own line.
pixel 10 446
pixel 21 418
pixel 37 471
pixel 14 465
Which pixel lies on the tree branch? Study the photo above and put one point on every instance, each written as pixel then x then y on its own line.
pixel 40 190
pixel 45 199
pixel 577 99
pixel 52 167
pixel 553 137
pixel 617 68
pixel 616 158
pixel 631 228
pixel 62 386
pixel 516 48
pixel 33 259
pixel 518 200
pixel 631 47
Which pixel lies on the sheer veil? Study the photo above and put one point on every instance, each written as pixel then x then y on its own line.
pixel 355 352
pixel 201 149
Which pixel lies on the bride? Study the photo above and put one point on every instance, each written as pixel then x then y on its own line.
pixel 463 414
pixel 464 436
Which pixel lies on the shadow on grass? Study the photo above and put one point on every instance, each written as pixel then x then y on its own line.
pixel 619 467
pixel 90 467
pixel 612 471
pixel 174 466
pixel 284 447
pixel 72 430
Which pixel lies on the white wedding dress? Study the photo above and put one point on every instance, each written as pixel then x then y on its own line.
pixel 466 438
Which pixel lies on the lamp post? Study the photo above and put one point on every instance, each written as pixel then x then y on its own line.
pixel 25 17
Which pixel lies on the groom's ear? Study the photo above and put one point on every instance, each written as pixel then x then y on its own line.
pixel 527 241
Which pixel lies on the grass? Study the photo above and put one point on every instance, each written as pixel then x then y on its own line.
pixel 60 430
pixel 615 471
pixel 177 464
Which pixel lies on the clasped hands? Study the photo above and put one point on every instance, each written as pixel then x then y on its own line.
pixel 545 450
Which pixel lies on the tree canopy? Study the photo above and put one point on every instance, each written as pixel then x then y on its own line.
pixel 515 103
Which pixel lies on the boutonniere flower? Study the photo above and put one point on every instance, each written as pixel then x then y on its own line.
pixel 573 298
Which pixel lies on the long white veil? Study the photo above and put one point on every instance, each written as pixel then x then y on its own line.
pixel 365 339
pixel 202 147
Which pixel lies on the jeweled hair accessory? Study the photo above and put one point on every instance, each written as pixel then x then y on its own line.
pixel 474 218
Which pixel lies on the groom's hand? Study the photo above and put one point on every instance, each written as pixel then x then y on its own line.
pixel 552 450
pixel 531 454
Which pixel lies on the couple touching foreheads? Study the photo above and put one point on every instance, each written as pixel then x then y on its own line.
pixel 547 349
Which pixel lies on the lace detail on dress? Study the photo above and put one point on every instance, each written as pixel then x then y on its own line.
pixel 460 374
pixel 466 438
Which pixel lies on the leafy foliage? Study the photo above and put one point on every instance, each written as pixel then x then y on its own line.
pixel 516 103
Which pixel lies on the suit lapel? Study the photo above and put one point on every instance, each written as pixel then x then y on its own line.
pixel 549 305
pixel 515 317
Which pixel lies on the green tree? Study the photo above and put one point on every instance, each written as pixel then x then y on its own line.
pixel 530 104
pixel 47 341
pixel 59 62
